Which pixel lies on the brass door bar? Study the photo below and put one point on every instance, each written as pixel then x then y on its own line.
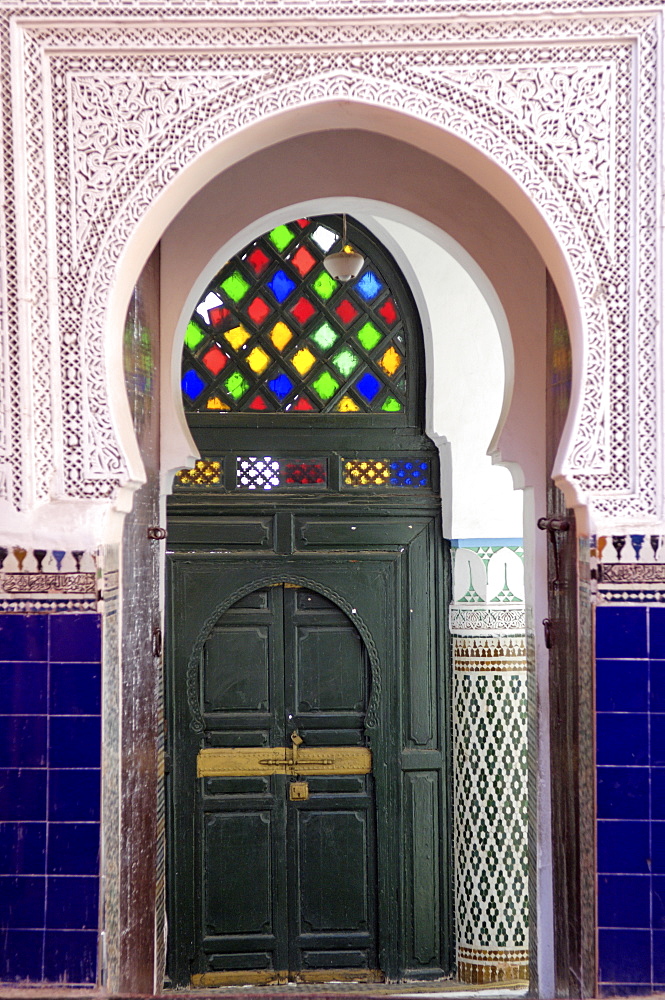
pixel 227 762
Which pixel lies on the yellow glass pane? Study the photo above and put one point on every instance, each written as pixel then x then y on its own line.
pixel 303 360
pixel 280 335
pixel 391 361
pixel 347 405
pixel 215 403
pixel 258 360
pixel 237 337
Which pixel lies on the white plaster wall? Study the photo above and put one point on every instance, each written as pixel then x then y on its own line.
pixel 466 354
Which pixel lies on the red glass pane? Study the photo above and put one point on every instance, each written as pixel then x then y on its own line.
pixel 346 311
pixel 214 360
pixel 218 315
pixel 258 403
pixel 303 404
pixel 258 260
pixel 258 309
pixel 302 222
pixel 303 310
pixel 388 312
pixel 303 261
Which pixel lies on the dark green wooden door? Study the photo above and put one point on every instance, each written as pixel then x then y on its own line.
pixel 288 887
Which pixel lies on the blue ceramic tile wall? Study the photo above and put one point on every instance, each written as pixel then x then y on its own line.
pixel 50 739
pixel 630 757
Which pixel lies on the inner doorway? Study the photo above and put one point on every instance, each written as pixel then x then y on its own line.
pixel 316 484
pixel 287 831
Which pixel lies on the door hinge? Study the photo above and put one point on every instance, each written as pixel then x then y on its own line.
pixel 157 642
pixel 156 534
pixel 547 626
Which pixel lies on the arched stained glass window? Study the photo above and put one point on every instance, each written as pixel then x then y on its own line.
pixel 275 333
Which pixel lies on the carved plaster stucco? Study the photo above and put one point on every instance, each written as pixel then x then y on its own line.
pixel 106 113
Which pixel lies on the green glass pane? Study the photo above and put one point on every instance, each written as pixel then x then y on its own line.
pixel 391 405
pixel 324 285
pixel 325 385
pixel 369 335
pixel 193 336
pixel 324 336
pixel 280 237
pixel 346 362
pixel 235 286
pixel 236 385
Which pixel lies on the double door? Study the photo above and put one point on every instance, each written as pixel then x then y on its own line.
pixel 285 800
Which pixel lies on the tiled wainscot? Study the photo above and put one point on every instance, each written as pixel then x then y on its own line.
pixel 50 716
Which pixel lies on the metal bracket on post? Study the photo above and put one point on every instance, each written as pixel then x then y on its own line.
pixel 553 525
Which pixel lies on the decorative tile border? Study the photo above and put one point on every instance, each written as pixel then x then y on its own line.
pixel 42 581
pixel 628 569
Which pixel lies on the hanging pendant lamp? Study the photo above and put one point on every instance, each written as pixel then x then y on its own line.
pixel 346 263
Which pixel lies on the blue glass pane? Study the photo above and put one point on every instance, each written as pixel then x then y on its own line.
pixel 368 386
pixel 281 285
pixel 281 386
pixel 409 473
pixel 192 384
pixel 369 286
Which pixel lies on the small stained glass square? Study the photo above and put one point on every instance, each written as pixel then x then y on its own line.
pixel 324 285
pixel 281 386
pixel 325 386
pixel 303 261
pixel 304 405
pixel 347 404
pixel 388 312
pixel 280 335
pixel 235 287
pixel 280 237
pixel 258 310
pixel 324 238
pixel 193 335
pixel 368 286
pixel 390 361
pixel 220 316
pixel 281 285
pixel 258 360
pixel 303 360
pixel 258 403
pixel 236 386
pixel 192 384
pixel 324 337
pixel 257 473
pixel 346 311
pixel 368 386
pixel 303 310
pixel 304 473
pixel 346 362
pixel 369 335
pixel 366 472
pixel 215 403
pixel 414 473
pixel 391 405
pixel 214 360
pixel 236 337
pixel 258 260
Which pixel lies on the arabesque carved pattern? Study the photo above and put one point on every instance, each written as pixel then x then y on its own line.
pixel 563 104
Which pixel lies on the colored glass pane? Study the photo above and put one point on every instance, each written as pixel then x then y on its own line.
pixel 303 261
pixel 368 386
pixel 280 335
pixel 236 385
pixel 324 238
pixel 347 405
pixel 281 386
pixel 303 310
pixel 204 473
pixel 363 472
pixel 205 305
pixel 303 223
pixel 303 360
pixel 325 386
pixel 219 315
pixel 304 473
pixel 368 286
pixel 257 473
pixel 391 405
pixel 258 403
pixel 346 311
pixel 324 336
pixel 258 360
pixel 193 335
pixel 280 237
pixel 258 309
pixel 215 403
pixel 387 312
pixel 369 335
pixel 281 285
pixel 237 337
pixel 258 260
pixel 303 404
pixel 391 361
pixel 192 384
pixel 214 360
pixel 346 362
pixel 324 285
pixel 235 286
pixel 405 473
